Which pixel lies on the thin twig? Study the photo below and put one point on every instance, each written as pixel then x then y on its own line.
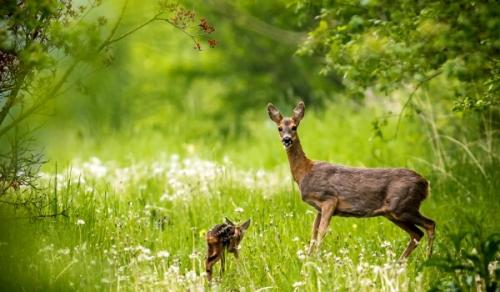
pixel 179 28
pixel 155 18
pixel 111 41
pixel 62 213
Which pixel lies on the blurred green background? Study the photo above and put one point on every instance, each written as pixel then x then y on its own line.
pixel 153 92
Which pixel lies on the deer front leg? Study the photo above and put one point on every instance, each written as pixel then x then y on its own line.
pixel 314 238
pixel 327 210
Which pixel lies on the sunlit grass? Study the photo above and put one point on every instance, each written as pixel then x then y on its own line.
pixel 137 237
pixel 136 215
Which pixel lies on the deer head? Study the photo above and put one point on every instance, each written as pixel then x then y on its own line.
pixel 287 126
pixel 237 237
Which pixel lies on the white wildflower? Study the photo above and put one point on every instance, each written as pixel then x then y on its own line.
pixel 80 222
pixel 366 282
pixel 385 244
pixel 191 276
pixel 64 251
pixel 238 210
pixel 96 167
pixel 145 258
pixel 260 174
pixel 174 269
pixel 163 254
pixel 194 255
pixel 301 255
pixel 359 269
pixel 344 251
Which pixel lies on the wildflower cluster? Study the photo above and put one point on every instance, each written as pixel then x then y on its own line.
pixel 363 274
pixel 168 179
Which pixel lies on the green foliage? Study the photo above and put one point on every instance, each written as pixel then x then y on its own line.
pixel 471 261
pixel 387 44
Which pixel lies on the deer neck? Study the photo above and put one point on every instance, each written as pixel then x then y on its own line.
pixel 300 165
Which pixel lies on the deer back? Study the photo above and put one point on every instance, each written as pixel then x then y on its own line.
pixel 360 191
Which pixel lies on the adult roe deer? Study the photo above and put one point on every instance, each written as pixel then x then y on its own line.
pixel 395 193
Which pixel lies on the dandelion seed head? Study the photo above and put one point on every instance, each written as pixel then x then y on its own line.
pixel 385 244
pixel 301 255
pixel 298 284
pixel 163 254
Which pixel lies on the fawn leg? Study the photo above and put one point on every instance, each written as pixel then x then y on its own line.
pixel 427 224
pixel 327 210
pixel 223 262
pixel 209 262
pixel 315 227
pixel 415 236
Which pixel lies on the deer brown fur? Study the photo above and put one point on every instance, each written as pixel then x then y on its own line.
pixel 222 237
pixel 395 193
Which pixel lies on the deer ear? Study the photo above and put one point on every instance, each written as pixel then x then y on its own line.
pixel 298 112
pixel 245 225
pixel 274 113
pixel 229 221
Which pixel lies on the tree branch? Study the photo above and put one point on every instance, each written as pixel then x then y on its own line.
pixel 11 100
pixel 42 101
pixel 115 27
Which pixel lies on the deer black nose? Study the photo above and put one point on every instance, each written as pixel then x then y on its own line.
pixel 287 141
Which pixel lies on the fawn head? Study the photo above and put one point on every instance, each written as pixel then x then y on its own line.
pixel 287 126
pixel 237 237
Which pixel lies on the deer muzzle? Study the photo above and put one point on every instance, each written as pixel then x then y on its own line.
pixel 287 141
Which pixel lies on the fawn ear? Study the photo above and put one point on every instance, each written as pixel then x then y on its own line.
pixel 274 113
pixel 245 225
pixel 229 221
pixel 298 112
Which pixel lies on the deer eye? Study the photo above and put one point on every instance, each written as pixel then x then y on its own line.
pixel 280 129
pixel 294 128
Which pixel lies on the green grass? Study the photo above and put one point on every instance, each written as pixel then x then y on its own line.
pixel 139 202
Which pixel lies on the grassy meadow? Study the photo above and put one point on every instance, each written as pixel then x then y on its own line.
pixel 137 222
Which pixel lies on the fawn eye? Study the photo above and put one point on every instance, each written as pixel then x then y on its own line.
pixel 280 129
pixel 294 128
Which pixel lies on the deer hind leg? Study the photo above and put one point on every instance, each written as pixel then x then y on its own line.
pixel 415 236
pixel 426 223
pixel 327 210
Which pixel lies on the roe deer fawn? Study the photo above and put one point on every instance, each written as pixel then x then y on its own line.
pixel 395 193
pixel 222 237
